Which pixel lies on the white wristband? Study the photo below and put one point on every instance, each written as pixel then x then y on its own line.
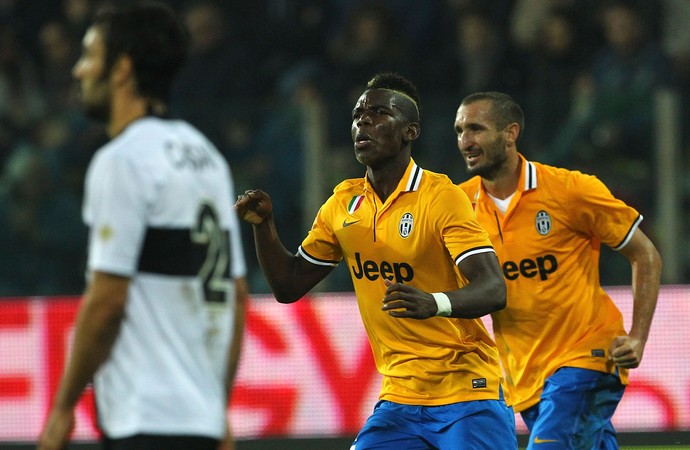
pixel 443 304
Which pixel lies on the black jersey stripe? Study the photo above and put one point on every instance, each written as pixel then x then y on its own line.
pixel 415 177
pixel 170 251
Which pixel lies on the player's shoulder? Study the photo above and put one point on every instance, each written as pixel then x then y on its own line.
pixel 152 139
pixel 471 185
pixel 438 189
pixel 349 186
pixel 563 179
pixel 137 139
pixel 435 178
pixel 435 182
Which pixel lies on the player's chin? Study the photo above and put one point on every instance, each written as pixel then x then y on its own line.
pixel 473 162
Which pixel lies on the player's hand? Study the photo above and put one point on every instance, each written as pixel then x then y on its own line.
pixel 254 206
pixel 405 301
pixel 626 352
pixel 57 429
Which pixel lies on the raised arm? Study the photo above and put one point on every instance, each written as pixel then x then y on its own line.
pixel 626 351
pixel 290 276
pixel 485 293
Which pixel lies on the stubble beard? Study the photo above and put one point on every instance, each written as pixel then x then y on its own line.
pixel 98 106
pixel 495 160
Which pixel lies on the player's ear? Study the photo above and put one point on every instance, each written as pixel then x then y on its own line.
pixel 122 71
pixel 512 132
pixel 412 131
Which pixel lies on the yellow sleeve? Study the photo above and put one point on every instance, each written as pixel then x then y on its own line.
pixel 596 212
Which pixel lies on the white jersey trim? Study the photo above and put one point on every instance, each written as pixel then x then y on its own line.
pixel 530 176
pixel 311 259
pixel 630 233
pixel 415 178
pixel 474 251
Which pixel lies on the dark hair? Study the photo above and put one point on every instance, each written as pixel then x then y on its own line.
pixel 504 110
pixel 396 82
pixel 153 37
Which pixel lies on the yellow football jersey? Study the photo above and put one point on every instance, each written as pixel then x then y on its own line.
pixel 416 237
pixel 548 243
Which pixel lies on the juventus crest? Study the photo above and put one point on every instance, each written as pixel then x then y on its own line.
pixel 405 225
pixel 543 223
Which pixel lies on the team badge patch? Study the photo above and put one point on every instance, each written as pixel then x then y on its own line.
pixel 105 233
pixel 405 225
pixel 543 223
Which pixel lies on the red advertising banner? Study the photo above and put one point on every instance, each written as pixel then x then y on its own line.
pixel 307 369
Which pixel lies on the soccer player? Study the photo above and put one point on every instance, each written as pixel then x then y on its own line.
pixel 423 272
pixel 159 326
pixel 562 343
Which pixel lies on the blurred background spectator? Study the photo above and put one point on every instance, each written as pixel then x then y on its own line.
pixel 586 72
pixel 220 69
pixel 610 129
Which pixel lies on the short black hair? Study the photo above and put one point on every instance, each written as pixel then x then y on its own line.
pixel 504 109
pixel 395 82
pixel 154 38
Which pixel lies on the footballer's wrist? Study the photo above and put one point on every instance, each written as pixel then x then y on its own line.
pixel 443 305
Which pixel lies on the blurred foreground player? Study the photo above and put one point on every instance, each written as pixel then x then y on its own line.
pixel 161 319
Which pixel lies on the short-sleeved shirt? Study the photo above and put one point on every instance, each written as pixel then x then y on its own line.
pixel 158 202
pixel 417 237
pixel 548 243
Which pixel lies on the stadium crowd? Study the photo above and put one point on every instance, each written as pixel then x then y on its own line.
pixel 586 72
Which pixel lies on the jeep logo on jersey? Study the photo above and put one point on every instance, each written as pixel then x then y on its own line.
pixel 399 272
pixel 543 223
pixel 528 268
pixel 405 225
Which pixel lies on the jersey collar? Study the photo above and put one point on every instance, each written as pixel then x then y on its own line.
pixel 526 182
pixel 409 182
pixel 528 177
pixel 412 177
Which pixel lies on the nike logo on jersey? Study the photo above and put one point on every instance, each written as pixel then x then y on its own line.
pixel 538 440
pixel 347 224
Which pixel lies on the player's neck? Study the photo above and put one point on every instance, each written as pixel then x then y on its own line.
pixel 124 111
pixel 384 180
pixel 504 184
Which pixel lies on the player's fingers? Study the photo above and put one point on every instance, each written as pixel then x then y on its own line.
pixel 391 286
pixel 392 303
pixel 627 363
pixel 619 346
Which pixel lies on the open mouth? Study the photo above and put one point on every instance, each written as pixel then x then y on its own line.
pixel 362 140
pixel 471 155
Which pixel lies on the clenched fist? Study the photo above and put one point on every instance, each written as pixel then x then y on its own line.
pixel 254 206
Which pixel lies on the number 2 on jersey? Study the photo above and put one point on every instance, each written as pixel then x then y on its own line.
pixel 215 269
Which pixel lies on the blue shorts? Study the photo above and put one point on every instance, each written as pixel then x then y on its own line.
pixel 476 425
pixel 575 411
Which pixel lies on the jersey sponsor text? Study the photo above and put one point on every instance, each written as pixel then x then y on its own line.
pixel 528 268
pixel 400 272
